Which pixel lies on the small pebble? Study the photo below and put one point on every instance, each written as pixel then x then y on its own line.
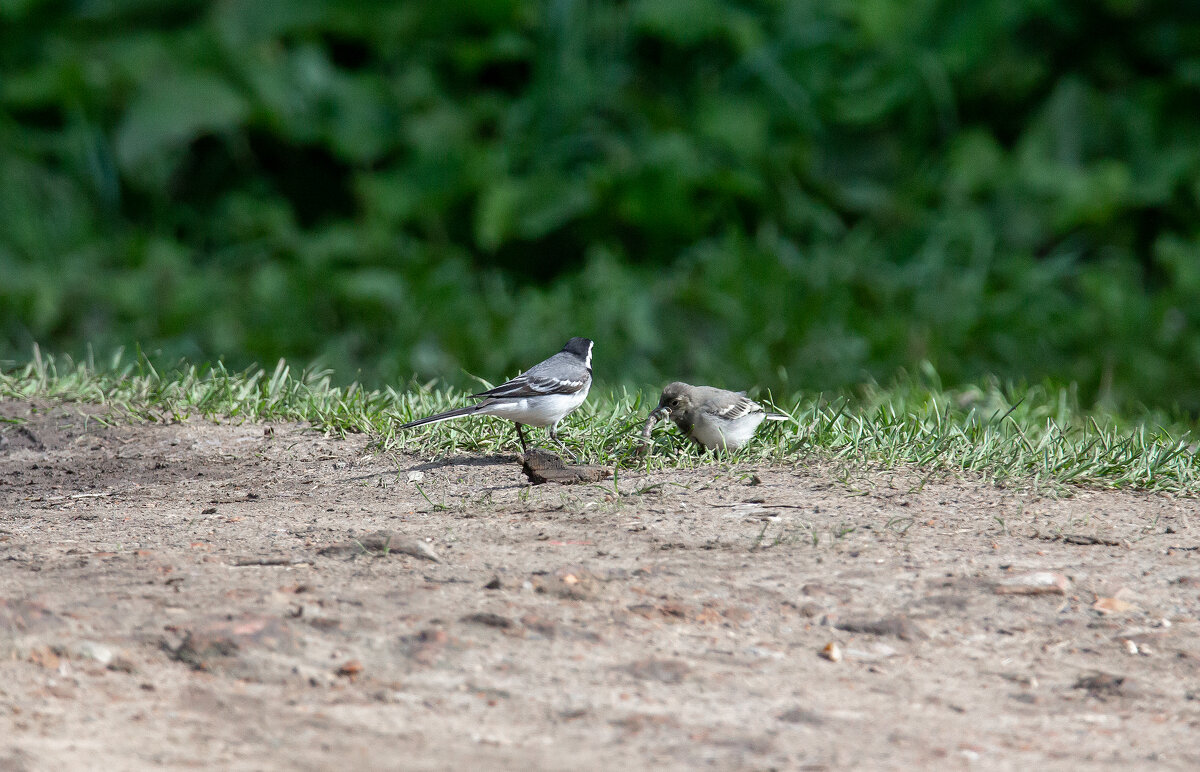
pixel 832 652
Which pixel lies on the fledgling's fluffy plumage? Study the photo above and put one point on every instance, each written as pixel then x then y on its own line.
pixel 715 418
pixel 541 396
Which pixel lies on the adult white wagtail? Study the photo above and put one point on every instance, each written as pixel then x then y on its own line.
pixel 540 396
pixel 715 418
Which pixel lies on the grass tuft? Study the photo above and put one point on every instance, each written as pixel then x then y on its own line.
pixel 1002 433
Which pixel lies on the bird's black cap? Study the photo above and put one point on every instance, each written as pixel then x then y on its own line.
pixel 580 347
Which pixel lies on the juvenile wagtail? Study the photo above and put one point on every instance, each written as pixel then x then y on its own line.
pixel 540 396
pixel 715 418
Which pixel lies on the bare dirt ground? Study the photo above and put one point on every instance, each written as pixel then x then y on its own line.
pixel 168 598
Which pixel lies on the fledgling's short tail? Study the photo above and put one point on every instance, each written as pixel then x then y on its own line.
pixel 777 417
pixel 457 412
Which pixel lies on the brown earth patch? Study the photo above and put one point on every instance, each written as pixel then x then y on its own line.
pixel 218 595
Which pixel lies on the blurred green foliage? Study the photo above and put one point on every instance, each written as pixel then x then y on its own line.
pixel 789 193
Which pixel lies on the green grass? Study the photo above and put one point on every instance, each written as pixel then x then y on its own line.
pixel 1027 435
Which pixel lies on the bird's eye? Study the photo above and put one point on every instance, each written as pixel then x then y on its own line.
pixel 675 402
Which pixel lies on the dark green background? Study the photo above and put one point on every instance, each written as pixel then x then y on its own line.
pixel 798 195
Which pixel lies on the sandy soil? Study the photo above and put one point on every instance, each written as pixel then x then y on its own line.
pixel 202 595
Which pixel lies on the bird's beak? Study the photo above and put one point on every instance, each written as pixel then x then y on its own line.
pixel 659 413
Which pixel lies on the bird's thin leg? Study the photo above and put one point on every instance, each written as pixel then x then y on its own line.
pixel 554 438
pixel 521 434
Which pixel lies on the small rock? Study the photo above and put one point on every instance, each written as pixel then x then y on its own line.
pixel 1130 646
pixel 1035 583
pixel 416 476
pixel 95 651
pixel 493 585
pixel 832 652
pixel 1112 605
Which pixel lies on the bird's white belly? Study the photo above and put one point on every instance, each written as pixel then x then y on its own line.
pixel 537 411
pixel 713 433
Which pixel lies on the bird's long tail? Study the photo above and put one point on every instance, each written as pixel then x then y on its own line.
pixel 457 412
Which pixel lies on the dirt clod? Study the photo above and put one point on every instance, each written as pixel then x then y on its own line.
pixel 541 466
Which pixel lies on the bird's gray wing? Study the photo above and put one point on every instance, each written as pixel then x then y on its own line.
pixel 556 375
pixel 732 409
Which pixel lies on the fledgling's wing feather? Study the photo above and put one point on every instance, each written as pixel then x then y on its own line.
pixel 732 409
